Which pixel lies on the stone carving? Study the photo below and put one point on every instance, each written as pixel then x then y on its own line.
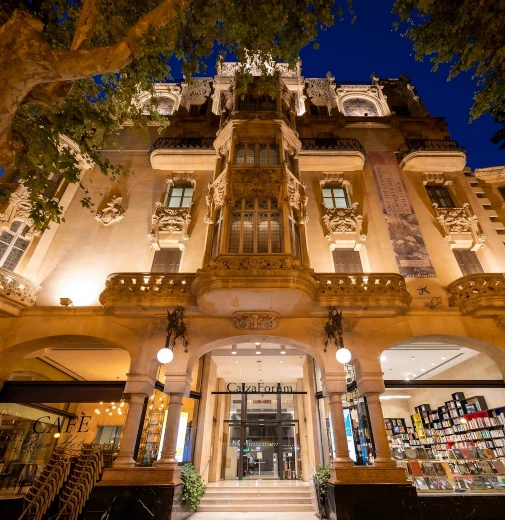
pixel 349 322
pixel 285 262
pixel 356 100
pixel 171 221
pixel 198 91
pixel 255 320
pixel 343 220
pixel 113 212
pixel 433 303
pixel 18 208
pixel 318 90
pixel 295 195
pixel 218 195
pixel 500 322
pixel 183 176
pixel 227 69
pixel 435 178
pixel 18 288
pixel 457 221
pixel 256 182
pixel 332 178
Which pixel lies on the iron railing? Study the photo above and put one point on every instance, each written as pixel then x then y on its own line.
pixel 182 143
pixel 427 145
pixel 332 143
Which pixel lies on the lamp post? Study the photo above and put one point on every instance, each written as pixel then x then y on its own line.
pixel 176 328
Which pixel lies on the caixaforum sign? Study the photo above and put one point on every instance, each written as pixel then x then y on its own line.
pixel 258 388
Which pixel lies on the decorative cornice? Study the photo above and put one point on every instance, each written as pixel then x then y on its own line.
pixel 255 320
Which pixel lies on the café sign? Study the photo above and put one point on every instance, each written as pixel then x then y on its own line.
pixel 258 388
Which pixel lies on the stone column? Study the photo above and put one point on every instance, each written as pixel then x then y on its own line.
pixel 130 431
pixel 168 459
pixel 342 458
pixel 382 451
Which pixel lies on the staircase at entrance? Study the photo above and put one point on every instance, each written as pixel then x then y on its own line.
pixel 257 496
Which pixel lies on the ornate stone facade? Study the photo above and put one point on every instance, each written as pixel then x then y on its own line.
pixel 18 209
pixel 255 320
pixel 113 211
pixel 460 227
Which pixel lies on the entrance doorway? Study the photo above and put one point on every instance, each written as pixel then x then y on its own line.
pixel 263 440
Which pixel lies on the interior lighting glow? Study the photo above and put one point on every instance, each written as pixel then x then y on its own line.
pixel 343 355
pixel 383 357
pixel 165 355
pixel 258 348
pixel 386 397
pixel 234 349
pixel 283 349
pixel 83 291
pixel 57 435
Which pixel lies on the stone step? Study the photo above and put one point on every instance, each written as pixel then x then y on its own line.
pixel 255 508
pixel 232 500
pixel 258 492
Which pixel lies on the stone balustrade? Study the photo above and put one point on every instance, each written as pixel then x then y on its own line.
pixel 16 293
pixel 380 292
pixel 277 283
pixel 147 290
pixel 478 295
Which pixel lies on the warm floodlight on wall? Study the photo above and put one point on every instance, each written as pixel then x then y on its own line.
pixel 334 331
pixel 176 328
pixel 66 302
pixel 258 348
pixel 283 349
pixel 234 349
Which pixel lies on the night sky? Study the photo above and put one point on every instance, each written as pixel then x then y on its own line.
pixel 353 51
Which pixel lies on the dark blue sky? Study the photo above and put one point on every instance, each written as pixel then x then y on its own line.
pixel 353 51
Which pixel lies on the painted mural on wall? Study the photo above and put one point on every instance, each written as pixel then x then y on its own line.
pixel 404 229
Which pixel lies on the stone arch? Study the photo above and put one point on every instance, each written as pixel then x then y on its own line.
pixel 163 91
pixel 483 338
pixel 298 335
pixel 359 105
pixel 20 341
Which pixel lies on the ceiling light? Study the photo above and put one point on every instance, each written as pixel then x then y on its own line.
pixel 234 349
pixel 258 348
pixel 280 372
pixel 165 355
pixel 257 343
pixel 240 372
pixel 433 364
pixel 384 397
pixel 407 378
pixel 237 361
pixel 443 357
pixel 281 361
pixel 283 349
pixel 383 357
pixel 423 369
pixel 414 375
pixel 412 357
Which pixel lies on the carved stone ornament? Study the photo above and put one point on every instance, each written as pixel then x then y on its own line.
pixel 183 176
pixel 336 178
pixel 342 221
pixel 295 195
pixel 457 221
pixel 255 320
pixel 18 208
pixel 500 322
pixel 198 91
pixel 349 322
pixel 218 195
pixel 319 91
pixel 287 263
pixel 113 212
pixel 256 182
pixel 172 221
pixel 435 178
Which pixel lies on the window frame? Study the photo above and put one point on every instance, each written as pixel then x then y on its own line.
pixel 473 266
pixel 436 199
pixel 331 186
pixel 17 234
pixel 252 154
pixel 250 241
pixel 177 185
pixel 167 251
pixel 345 254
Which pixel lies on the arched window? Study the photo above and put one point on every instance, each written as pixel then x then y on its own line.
pixel 360 107
pixel 255 227
pixel 13 245
pixel 164 105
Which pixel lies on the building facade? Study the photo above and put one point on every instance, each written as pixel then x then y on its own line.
pixel 248 220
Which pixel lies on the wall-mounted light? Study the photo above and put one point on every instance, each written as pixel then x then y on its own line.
pixel 258 348
pixel 283 349
pixel 334 330
pixel 66 302
pixel 234 349
pixel 176 328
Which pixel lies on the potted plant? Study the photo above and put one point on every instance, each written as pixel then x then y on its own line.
pixel 193 488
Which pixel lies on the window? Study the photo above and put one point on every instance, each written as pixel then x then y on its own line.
pixel 360 107
pixel 167 261
pixel 294 235
pixel 467 261
pixel 252 104
pixel 257 154
pixel 198 110
pixel 13 245
pixel 179 196
pixel 440 195
pixel 347 261
pixel 163 105
pixel 216 234
pixel 335 197
pixel 255 227
pixel 316 110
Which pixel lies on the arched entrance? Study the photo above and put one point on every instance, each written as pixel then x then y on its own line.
pixel 258 414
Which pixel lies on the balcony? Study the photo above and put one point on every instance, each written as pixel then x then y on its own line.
pixel 16 293
pixel 375 293
pixel 274 282
pixel 139 290
pixel 478 295
pixel 342 154
pixel 169 153
pixel 431 155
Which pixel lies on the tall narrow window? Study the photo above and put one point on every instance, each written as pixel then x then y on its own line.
pixel 468 261
pixel 167 260
pixel 255 227
pixel 274 154
pixel 13 245
pixel 294 236
pixel 240 154
pixel 180 196
pixel 347 261
pixel 440 195
pixel 335 197
pixel 216 233
pixel 250 154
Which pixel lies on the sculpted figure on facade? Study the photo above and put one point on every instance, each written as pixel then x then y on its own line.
pixel 18 208
pixel 113 212
pixel 217 196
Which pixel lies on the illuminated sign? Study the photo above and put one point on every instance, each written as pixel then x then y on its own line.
pixel 259 388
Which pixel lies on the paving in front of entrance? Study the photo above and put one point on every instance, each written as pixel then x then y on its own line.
pixel 256 500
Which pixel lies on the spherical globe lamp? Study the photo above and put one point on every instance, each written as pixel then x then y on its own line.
pixel 165 355
pixel 343 355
